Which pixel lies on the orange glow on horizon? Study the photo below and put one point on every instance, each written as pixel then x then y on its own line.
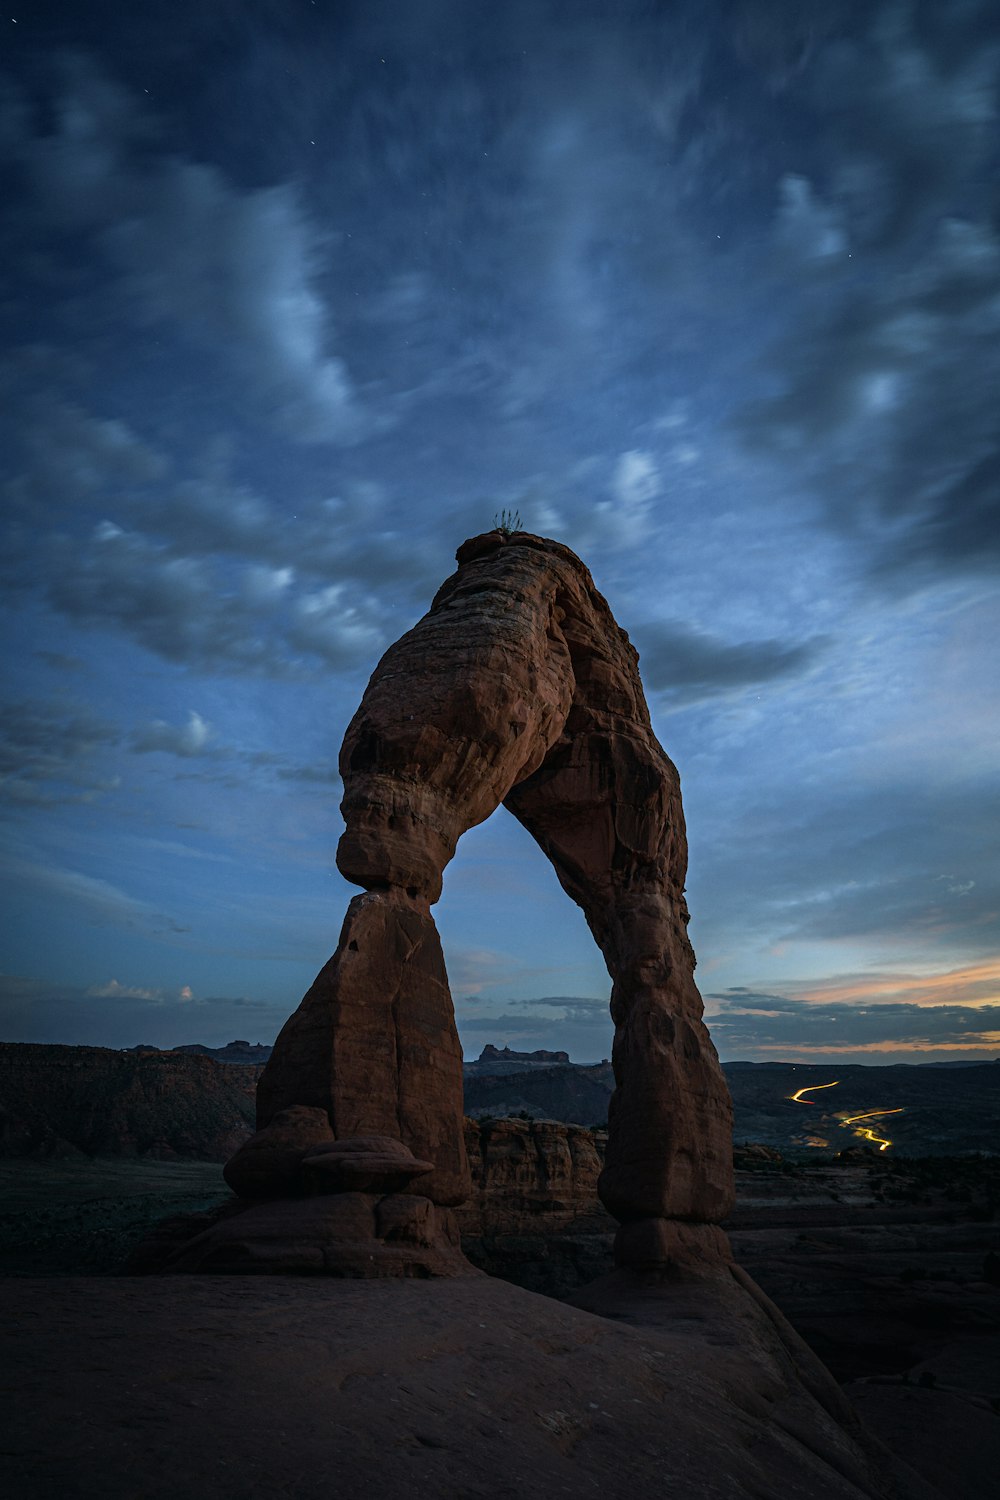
pixel 928 989
pixel 797 1052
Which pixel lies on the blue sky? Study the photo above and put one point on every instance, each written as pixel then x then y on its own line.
pixel 298 296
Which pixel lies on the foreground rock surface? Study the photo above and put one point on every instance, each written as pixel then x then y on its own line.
pixel 247 1388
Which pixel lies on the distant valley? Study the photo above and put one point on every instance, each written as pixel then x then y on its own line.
pixel 197 1103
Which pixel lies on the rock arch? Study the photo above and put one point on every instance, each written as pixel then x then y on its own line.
pixel 516 688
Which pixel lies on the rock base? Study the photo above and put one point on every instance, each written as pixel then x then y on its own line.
pixel 342 1234
pixel 672 1248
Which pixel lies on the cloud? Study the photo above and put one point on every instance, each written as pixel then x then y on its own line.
pixel 188 739
pixel 204 612
pixel 957 1010
pixel 225 268
pixel 572 1008
pixel 112 1014
pixel 71 456
pixel 326 625
pixel 98 901
pixel 811 229
pixel 767 1025
pixel 975 984
pixel 880 400
pixel 116 991
pixel 47 754
pixel 635 484
pixel 687 665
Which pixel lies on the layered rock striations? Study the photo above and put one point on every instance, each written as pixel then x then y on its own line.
pixel 517 687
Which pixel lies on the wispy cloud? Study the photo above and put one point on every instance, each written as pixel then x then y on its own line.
pixel 226 268
pixel 685 664
pixel 51 753
pixel 188 739
pixel 100 900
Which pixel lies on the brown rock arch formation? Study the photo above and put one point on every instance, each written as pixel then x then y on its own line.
pixel 517 687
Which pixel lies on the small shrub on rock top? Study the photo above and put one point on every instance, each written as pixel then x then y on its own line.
pixel 508 521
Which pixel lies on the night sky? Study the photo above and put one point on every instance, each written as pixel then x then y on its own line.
pixel 297 296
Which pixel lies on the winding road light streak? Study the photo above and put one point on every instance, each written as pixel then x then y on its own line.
pixel 865 1132
pixel 797 1098
pixel 872 1114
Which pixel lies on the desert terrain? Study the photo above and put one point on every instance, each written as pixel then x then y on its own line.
pixel 886 1264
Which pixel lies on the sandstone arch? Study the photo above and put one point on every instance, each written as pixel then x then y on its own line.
pixel 517 687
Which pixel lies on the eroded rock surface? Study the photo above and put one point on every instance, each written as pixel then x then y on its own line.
pixel 374 1041
pixel 517 687
pixel 532 1174
pixel 346 1233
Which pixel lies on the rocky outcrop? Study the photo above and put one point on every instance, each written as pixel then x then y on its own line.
pixel 269 1164
pixel 343 1233
pixel 534 1216
pixel 518 687
pixel 532 1173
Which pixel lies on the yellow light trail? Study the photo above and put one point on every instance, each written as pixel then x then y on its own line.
pixel 872 1114
pixel 881 1141
pixel 797 1098
pixel 864 1131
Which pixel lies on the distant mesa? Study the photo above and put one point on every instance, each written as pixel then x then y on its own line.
pixel 232 1052
pixel 504 1054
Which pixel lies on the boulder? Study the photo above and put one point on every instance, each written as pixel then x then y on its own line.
pixel 268 1166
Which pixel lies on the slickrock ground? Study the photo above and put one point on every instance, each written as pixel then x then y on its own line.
pixel 302 1388
pixel 883 1267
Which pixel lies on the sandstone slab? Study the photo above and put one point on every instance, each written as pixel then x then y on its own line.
pixel 362 1164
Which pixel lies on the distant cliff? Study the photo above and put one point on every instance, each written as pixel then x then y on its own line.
pixel 56 1101
pixel 534 1216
